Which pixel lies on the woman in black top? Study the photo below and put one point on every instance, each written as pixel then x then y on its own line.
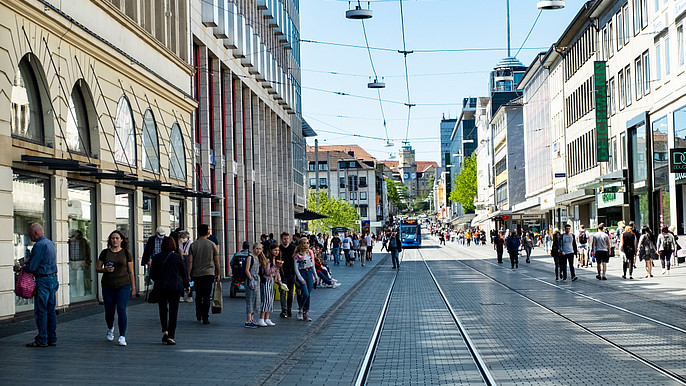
pixel 168 271
pixel 628 247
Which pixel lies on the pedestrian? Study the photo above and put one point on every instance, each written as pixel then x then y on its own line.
pixel 264 242
pixel 548 241
pixel 568 249
pixel 370 246
pixel 287 273
pixel 582 242
pixel 512 243
pixel 168 271
pixel 498 245
pixel 468 236
pixel 118 283
pixel 555 252
pixel 666 246
pixel 395 247
pixel 346 244
pixel 628 247
pixel 42 264
pixel 356 247
pixel 185 247
pixel 269 272
pixel 647 250
pixel 325 246
pixel 677 247
pixel 252 287
pixel 153 245
pixel 304 263
pixel 600 249
pixel 441 238
pixel 528 244
pixel 203 268
pixel 336 248
pixel 362 246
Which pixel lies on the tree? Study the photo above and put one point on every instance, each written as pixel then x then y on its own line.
pixel 465 185
pixel 396 194
pixel 340 212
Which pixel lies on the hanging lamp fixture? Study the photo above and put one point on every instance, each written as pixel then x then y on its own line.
pixel 359 13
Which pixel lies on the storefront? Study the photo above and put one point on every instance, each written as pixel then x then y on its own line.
pixel 640 182
pixel 82 241
pixel 611 203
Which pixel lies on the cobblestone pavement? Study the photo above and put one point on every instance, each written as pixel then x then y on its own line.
pixel 524 342
pixel 220 353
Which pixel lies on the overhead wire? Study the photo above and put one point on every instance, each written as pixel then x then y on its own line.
pixel 407 76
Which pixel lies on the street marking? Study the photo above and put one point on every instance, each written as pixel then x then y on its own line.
pixel 227 352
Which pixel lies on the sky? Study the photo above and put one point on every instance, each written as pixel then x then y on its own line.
pixel 438 81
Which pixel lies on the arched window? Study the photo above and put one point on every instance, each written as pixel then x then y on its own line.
pixel 177 156
pixel 151 148
pixel 29 101
pixel 125 136
pixel 77 132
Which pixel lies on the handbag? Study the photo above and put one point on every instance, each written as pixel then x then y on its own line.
pixel 217 299
pixel 612 252
pixel 25 287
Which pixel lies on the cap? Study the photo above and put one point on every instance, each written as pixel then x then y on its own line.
pixel 246 245
pixel 161 231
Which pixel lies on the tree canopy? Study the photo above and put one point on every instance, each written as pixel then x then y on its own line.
pixel 464 184
pixel 340 212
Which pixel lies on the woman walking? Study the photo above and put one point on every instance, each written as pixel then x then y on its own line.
pixel 252 287
pixel 118 284
pixel 363 249
pixel 269 271
pixel 665 246
pixel 555 252
pixel 647 250
pixel 548 241
pixel 528 246
pixel 498 245
pixel 356 246
pixel 185 247
pixel 304 264
pixel 628 247
pixel 168 271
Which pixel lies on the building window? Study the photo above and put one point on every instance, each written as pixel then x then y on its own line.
pixel 627 80
pixel 341 182
pixel 363 211
pixel 623 155
pixel 680 44
pixel 658 62
pixel 151 153
pixel 125 133
pixel 638 73
pixel 363 195
pixel 77 130
pixel 323 166
pixel 343 196
pixel 646 73
pixel 613 97
pixel 612 164
pixel 353 196
pixel 639 153
pixel 620 30
pixel 313 183
pixel 310 166
pixel 322 182
pixel 28 95
pixel 501 195
pixel 667 59
pixel 622 87
pixel 177 155
pixel 611 36
pixel 363 182
pixel 660 153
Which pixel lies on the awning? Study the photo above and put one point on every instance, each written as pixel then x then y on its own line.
pixel 610 178
pixel 466 219
pixel 480 219
pixel 577 195
pixel 529 203
pixel 307 130
pixel 309 215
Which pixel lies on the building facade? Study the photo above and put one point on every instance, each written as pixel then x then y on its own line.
pixel 98 133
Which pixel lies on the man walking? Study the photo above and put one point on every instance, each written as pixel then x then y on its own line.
pixel 287 274
pixel 582 241
pixel 568 250
pixel 513 244
pixel 203 268
pixel 395 247
pixel 346 244
pixel 336 248
pixel 601 245
pixel 43 265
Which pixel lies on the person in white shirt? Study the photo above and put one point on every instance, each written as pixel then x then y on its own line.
pixel 600 247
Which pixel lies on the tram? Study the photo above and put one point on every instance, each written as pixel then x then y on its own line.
pixel 410 233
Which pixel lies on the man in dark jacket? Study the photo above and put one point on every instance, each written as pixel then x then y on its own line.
pixel 287 274
pixel 395 248
pixel 512 244
pixel 153 246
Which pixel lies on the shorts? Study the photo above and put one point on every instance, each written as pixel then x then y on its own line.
pixel 583 248
pixel 602 256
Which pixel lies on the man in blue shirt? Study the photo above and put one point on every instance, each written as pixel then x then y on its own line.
pixel 43 265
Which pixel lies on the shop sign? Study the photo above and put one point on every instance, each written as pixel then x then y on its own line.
pixel 602 140
pixel 609 197
pixel 677 160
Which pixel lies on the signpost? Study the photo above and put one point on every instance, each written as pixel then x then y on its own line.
pixel 602 140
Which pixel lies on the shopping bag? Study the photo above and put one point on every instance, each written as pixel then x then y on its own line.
pixel 25 286
pixel 217 300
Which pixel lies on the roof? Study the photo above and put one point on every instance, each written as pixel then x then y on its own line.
pixel 422 166
pixel 335 157
pixel 360 153
pixel 307 130
pixel 391 164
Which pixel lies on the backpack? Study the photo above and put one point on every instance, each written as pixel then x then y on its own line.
pixel 668 243
pixel 583 237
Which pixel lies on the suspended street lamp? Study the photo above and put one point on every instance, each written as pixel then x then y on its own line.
pixel 376 83
pixel 358 13
pixel 388 143
pixel 550 5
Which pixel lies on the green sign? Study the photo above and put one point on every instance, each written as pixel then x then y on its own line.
pixel 601 129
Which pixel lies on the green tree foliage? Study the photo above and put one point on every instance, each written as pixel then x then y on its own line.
pixel 396 194
pixel 464 184
pixel 340 212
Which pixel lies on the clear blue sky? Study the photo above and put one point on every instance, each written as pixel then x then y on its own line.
pixel 442 78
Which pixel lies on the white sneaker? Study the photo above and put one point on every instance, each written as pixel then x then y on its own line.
pixel 269 322
pixel 110 335
pixel 122 341
pixel 262 323
pixel 336 285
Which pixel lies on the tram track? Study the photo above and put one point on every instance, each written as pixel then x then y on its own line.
pixel 641 358
pixel 366 365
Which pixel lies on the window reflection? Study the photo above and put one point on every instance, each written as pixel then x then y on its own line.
pixel 177 158
pixel 151 159
pixel 77 134
pixel 26 118
pixel 125 140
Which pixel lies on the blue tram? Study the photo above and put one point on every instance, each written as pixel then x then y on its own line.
pixel 410 233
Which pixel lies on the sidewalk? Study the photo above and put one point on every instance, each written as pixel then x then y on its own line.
pixel 220 353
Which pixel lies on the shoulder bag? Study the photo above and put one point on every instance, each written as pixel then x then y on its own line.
pixel 155 295
pixel 25 286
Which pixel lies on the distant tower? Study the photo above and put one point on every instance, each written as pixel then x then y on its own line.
pixel 408 169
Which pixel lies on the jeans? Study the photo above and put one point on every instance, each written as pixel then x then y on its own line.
pixel 556 259
pixel 203 293
pixel 394 257
pixel 666 257
pixel 286 297
pixel 44 309
pixel 500 254
pixel 172 299
pixel 324 278
pixel 305 289
pixel 116 298
pixel 564 259
pixel 346 252
pixel 336 255
pixel 514 257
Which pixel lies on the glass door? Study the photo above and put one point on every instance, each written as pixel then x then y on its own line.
pixel 82 276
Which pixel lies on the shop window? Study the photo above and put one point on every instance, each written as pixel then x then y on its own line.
pixel 125 134
pixel 639 153
pixel 81 242
pixel 660 152
pixel 77 130
pixel 29 101
pixel 680 127
pixel 149 216
pixel 177 154
pixel 30 196
pixel 176 214
pixel 151 148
